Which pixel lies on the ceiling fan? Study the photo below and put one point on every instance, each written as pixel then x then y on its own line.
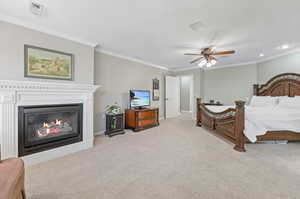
pixel 207 56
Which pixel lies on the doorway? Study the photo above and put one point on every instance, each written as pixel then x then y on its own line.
pixel 187 95
pixel 172 100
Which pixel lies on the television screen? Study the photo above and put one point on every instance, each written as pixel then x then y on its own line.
pixel 139 98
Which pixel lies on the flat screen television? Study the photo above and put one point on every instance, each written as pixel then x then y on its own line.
pixel 139 98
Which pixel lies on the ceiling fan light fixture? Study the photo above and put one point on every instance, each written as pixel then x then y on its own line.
pixel 202 63
pixel 207 56
pixel 213 62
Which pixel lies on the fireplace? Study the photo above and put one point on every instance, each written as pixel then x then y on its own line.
pixel 49 126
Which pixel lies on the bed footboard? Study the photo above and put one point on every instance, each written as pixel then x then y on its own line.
pixel 229 124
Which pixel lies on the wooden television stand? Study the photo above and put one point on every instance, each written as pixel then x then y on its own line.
pixel 140 119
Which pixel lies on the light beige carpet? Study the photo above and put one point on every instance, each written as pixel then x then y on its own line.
pixel 174 161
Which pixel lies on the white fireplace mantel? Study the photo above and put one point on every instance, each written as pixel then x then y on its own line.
pixel 22 93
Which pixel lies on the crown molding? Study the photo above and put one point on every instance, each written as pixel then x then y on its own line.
pixel 10 85
pixel 213 68
pixel 262 60
pixel 231 65
pixel 131 59
pixel 15 21
pixel 175 70
pixel 278 55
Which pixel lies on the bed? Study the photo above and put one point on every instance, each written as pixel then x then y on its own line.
pixel 239 124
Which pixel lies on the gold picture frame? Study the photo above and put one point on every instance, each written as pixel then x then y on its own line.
pixel 48 64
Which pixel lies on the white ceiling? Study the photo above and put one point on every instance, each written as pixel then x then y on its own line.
pixel 158 31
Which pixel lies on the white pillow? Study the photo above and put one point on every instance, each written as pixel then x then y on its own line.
pixel 289 102
pixel 263 101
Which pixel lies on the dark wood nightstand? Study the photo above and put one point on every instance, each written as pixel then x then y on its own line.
pixel 114 124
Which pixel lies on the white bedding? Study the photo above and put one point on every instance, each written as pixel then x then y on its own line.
pixel 259 120
pixel 218 109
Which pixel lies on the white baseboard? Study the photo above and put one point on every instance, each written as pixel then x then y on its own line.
pixel 186 111
pixel 162 118
pixel 99 133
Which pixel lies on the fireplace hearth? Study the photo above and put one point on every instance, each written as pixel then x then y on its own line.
pixel 46 127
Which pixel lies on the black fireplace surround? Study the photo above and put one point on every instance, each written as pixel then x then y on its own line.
pixel 49 126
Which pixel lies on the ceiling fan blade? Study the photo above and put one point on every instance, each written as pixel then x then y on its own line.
pixel 224 52
pixel 192 54
pixel 195 60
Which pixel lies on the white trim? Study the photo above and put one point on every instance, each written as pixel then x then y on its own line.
pixel 162 118
pixel 213 68
pixel 279 55
pixel 46 86
pixel 131 59
pixel 99 133
pixel 43 29
pixel 231 65
pixel 184 69
pixel 24 93
pixel 93 44
pixel 260 60
pixel 183 111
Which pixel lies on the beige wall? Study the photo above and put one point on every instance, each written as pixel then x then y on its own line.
pixel 233 83
pixel 13 38
pixel 117 76
pixel 285 64
pixel 229 84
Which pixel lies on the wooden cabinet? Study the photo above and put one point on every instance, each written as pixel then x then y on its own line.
pixel 139 119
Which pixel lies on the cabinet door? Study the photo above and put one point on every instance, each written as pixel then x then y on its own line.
pixel 120 122
pixel 146 123
pixel 147 114
pixel 115 122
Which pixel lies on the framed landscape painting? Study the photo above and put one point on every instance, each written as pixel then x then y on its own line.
pixel 49 64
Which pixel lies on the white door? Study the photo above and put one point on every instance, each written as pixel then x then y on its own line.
pixel 172 96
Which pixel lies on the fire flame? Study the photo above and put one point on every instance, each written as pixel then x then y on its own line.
pixel 58 122
pixel 49 128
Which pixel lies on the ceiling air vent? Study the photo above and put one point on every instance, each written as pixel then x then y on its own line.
pixel 197 26
pixel 36 8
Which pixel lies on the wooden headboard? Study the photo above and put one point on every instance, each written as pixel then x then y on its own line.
pixel 286 84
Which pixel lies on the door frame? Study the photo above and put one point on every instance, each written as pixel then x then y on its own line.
pixel 165 98
pixel 192 95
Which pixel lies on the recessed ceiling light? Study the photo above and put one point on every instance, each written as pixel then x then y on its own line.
pixel 261 55
pixel 285 46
